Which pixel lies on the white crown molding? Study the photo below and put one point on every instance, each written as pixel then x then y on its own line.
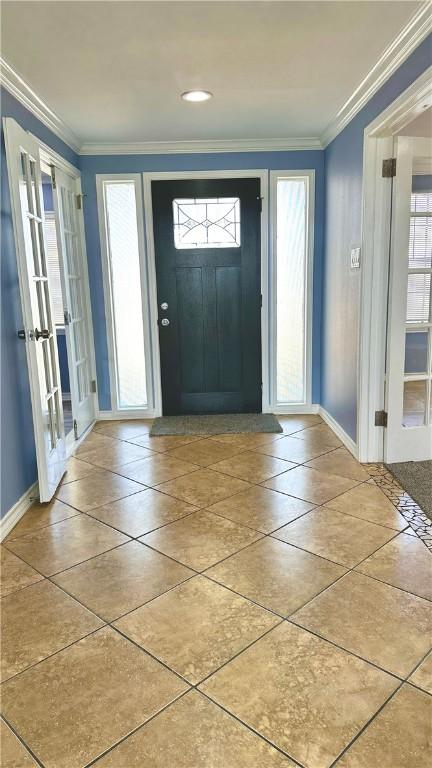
pixel 17 86
pixel 415 31
pixel 200 147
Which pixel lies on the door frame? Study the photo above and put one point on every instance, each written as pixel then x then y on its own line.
pixel 377 194
pixel 263 176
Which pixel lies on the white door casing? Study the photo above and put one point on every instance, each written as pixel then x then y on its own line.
pixel 412 442
pixel 73 276
pixel 22 152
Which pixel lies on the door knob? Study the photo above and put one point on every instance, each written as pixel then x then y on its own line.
pixel 164 305
pixel 45 334
pixel 164 321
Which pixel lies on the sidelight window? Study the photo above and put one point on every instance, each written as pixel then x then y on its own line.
pixel 124 292
pixel 292 267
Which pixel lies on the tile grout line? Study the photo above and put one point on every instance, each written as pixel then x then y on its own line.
pixel 21 740
pixel 198 573
pixel 365 726
pixel 217 563
pixel 198 467
pixel 135 730
pixel 297 764
pixel 262 535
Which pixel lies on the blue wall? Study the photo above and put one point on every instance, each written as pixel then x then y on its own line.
pixel 91 165
pixel 341 285
pixel 18 458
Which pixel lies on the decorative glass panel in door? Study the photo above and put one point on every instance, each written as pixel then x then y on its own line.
pixel 39 329
pixel 409 373
pixel 73 274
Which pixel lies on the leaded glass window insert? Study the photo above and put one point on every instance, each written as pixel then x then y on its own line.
pixel 212 222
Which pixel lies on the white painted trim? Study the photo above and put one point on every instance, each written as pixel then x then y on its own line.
pixel 409 105
pixel 414 32
pixel 89 311
pixel 48 156
pixel 140 413
pixel 378 143
pixel 21 90
pixel 310 243
pixel 101 179
pixel 260 174
pixel 282 410
pixel 339 432
pixel 373 301
pixel 200 147
pixel 15 513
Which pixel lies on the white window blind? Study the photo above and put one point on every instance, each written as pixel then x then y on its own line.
pixel 54 268
pixel 420 259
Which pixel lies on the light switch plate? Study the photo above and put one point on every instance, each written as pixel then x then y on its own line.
pixel 355 258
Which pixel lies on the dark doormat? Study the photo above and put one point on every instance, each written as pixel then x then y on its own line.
pixel 415 477
pixel 215 424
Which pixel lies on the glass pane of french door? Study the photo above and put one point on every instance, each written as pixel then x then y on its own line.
pixel 31 209
pixel 418 326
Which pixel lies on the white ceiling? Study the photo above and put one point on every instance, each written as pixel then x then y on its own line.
pixel 114 71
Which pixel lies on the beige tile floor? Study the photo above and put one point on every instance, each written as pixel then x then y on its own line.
pixel 234 601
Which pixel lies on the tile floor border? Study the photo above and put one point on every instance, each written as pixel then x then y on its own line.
pixel 404 503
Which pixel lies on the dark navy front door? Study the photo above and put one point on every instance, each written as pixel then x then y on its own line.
pixel 207 244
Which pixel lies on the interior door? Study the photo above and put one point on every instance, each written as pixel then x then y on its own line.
pixel 409 344
pixel 39 332
pixel 207 243
pixel 74 275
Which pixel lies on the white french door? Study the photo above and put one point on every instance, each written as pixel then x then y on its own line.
pixel 39 333
pixel 409 342
pixel 73 274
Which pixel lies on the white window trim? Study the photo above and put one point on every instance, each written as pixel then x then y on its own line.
pixel 309 175
pixel 116 411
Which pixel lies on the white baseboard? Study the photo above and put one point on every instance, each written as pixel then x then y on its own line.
pixel 19 509
pixel 339 432
pixel 287 409
pixel 140 413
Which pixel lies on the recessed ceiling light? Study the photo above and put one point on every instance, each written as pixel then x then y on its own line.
pixel 196 95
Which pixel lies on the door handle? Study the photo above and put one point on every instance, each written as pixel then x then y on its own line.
pixel 45 334
pixel 164 321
